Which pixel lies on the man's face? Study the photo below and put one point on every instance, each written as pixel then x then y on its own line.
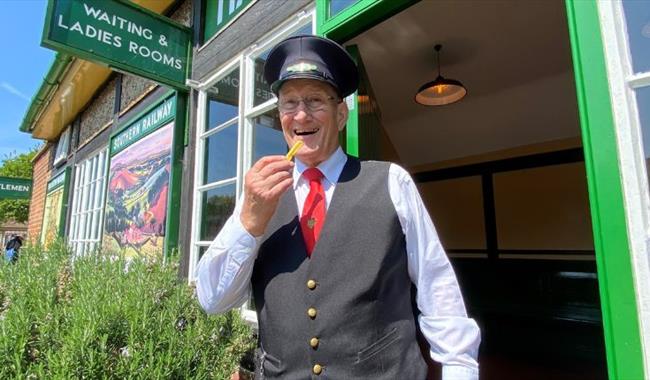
pixel 318 129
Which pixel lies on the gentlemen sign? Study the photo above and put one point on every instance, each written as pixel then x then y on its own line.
pixel 15 188
pixel 120 34
pixel 148 123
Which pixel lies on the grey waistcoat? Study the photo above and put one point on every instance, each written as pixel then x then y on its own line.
pixel 364 319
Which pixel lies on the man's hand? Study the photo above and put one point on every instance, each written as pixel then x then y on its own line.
pixel 264 183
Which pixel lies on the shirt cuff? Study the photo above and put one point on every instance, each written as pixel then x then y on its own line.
pixel 457 372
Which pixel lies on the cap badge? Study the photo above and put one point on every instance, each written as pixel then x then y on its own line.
pixel 302 67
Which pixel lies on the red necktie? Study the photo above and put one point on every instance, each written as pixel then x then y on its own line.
pixel 313 211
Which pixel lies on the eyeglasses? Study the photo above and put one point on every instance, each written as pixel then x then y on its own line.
pixel 313 103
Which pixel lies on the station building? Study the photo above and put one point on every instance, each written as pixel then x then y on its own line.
pixel 537 179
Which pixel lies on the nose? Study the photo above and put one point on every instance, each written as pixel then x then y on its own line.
pixel 302 114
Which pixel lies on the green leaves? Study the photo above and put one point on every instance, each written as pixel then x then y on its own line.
pixel 16 166
pixel 91 318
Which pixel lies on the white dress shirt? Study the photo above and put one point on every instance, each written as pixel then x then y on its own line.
pixel 224 272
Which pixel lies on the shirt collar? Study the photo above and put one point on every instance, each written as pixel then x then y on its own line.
pixel 331 168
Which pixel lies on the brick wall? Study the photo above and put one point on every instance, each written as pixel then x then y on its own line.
pixel 41 174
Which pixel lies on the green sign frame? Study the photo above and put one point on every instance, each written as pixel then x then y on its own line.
pixel 56 182
pixel 60 180
pixel 143 124
pixel 122 35
pixel 220 13
pixel 15 188
pixel 136 128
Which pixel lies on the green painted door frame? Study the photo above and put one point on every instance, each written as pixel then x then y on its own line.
pixel 615 276
pixel 615 272
pixel 176 175
pixel 359 17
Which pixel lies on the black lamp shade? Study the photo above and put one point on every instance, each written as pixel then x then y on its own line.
pixel 441 91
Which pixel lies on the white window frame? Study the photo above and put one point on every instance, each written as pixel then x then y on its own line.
pixel 245 60
pixel 622 85
pixel 88 203
pixel 62 147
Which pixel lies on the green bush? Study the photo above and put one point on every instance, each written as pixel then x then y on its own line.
pixel 93 319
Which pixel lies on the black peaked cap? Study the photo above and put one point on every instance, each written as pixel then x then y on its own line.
pixel 311 57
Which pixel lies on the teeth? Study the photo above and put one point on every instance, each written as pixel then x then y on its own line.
pixel 306 131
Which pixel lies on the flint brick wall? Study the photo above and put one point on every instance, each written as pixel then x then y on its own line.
pixel 98 113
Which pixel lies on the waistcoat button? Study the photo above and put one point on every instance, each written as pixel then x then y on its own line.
pixel 317 369
pixel 311 284
pixel 313 342
pixel 311 312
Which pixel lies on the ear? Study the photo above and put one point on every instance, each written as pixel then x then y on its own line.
pixel 342 115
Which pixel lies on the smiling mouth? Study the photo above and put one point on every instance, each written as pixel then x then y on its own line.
pixel 305 132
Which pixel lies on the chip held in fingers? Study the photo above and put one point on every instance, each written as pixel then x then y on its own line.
pixel 294 149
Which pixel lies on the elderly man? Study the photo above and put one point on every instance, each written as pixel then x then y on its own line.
pixel 331 246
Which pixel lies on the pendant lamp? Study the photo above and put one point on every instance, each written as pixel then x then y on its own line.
pixel 441 91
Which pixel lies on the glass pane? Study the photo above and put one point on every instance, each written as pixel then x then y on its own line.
pixel 223 100
pixel 220 158
pixel 202 251
pixel 643 103
pixel 306 29
pixel 216 205
pixel 262 91
pixel 267 135
pixel 337 6
pixel 637 14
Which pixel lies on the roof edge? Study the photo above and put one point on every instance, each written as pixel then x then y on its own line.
pixel 63 61
pixel 50 83
pixel 42 149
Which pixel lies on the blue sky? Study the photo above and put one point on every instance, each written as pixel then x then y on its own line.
pixel 23 66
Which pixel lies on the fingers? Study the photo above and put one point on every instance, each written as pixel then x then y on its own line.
pixel 264 183
pixel 280 186
pixel 269 170
pixel 271 162
pixel 276 167
pixel 265 175
pixel 265 189
pixel 275 178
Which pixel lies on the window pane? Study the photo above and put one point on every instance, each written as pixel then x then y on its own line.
pixel 262 90
pixel 202 251
pixel 306 29
pixel 637 14
pixel 88 196
pixel 223 100
pixel 216 206
pixel 267 135
pixel 220 158
pixel 643 103
pixel 63 146
pixel 337 6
